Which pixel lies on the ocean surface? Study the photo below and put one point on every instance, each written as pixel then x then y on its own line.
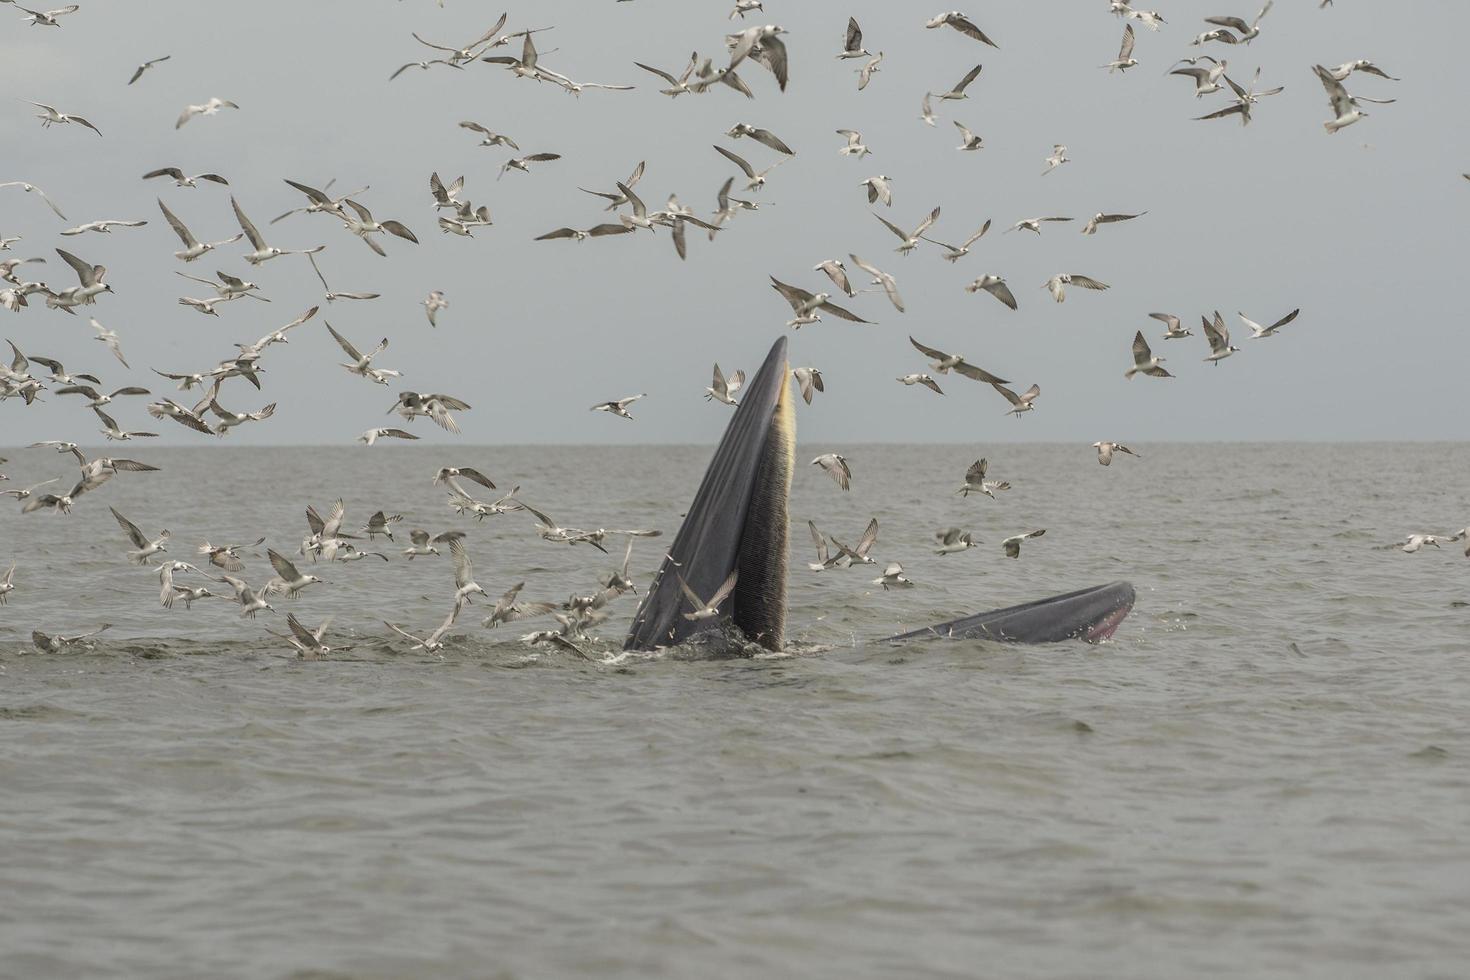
pixel 1265 773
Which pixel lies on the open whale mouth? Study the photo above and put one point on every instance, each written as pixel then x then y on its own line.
pixel 737 527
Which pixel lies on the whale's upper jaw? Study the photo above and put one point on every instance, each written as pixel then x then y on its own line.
pixel 738 519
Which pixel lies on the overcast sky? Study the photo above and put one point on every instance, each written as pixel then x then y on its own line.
pixel 1364 230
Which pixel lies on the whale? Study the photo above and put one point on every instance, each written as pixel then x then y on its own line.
pixel 738 525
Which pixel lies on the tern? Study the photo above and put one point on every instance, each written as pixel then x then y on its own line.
pixel 1416 541
pixel 381 523
pixel 1104 219
pixel 960 23
pixel 825 560
pixel 722 389
pixel 362 364
pixel 1105 451
pixel 318 201
pixel 1125 59
pixel 489 137
pixel 33 189
pixel 334 296
pixel 866 73
pixel 1244 99
pixel 432 643
pixel 464 574
pixel 49 116
pixel 806 304
pixel 209 108
pixel 975 481
pixel 183 180
pixel 230 420
pixel 968 140
pixel 909 241
pixel 114 432
pixel 1012 545
pixel 617 199
pixel 46 18
pixel 423 543
pixel 995 286
pixel 371 436
pixel 852 44
pixel 893 578
pixel 837 272
pixel 953 253
pixel 144 547
pixel 7 584
pixel 508 610
pixel 1019 403
pixel 1057 158
pixel 879 188
pixel 1206 80
pixel 763 44
pixel 762 136
pixel 193 247
pixel 855 146
pixel 809 379
pixel 138 72
pixel 1219 338
pixel 921 379
pixel 1174 331
pixel 26 493
pixel 55 644
pixel 168 408
pixel 944 363
pixel 757 179
pixel 619 407
pixel 1342 71
pixel 59 373
pixel 90 278
pixel 412 405
pixel 952 540
pixel 432 304
pixel 1058 284
pixel 519 163
pixel 881 278
pixel 289 579
pixel 835 466
pixel 1032 224
pixel 250 602
pixel 711 609
pixel 677 86
pixel 261 251
pixel 364 226
pixel 1145 361
pixel 958 92
pixel 103 227
pixel 1246 32
pixel 926 109
pixel 1257 331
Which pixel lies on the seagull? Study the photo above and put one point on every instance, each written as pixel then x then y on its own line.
pixel 1257 331
pixel 263 252
pixel 1171 321
pixel 763 44
pixel 1219 338
pixel 952 540
pixel 381 523
pixel 432 643
pixel 866 73
pixel 308 643
pixel 432 304
pixel 852 45
pixel 138 72
pixel 824 559
pixel 7 584
pixel 206 306
pixel 1032 224
pixel 1145 361
pixel 99 471
pixel 711 609
pixel 617 199
pixel 1342 71
pixel 250 602
pixel 757 180
pixel 1104 219
pixel 448 474
pixel 975 481
pixel 962 24
pixel 995 286
pixel 1057 158
pixel 1058 284
pixel 289 579
pixel 957 252
pixel 837 272
pixel 103 227
pixel 209 108
pixel 46 18
pixel 464 574
pixel 943 363
pixel 810 380
pixel 881 278
pixel 145 548
pixel 968 140
pixel 1022 402
pixel 855 146
pixel 1247 32
pixel 364 226
pixel 32 188
pixel 55 644
pixel 423 543
pixel 489 137
pixel 331 296
pixel 1416 541
pixel 229 420
pixel 168 593
pixel 879 188
pixel 620 406
pixel 958 92
pixel 723 390
pixel 371 436
pixel 677 86
pixel 1125 59
pixel 762 136
pixel 508 610
pixel 921 379
pixel 113 432
pixel 909 241
pixel 183 180
pixel 362 364
pixel 1012 545
pixel 805 305
pixel 1206 80
pixel 893 578
pixel 835 466
pixel 59 373
pixel 318 201
pixel 412 404
pixel 168 408
pixel 1105 451
pixel 229 287
pixel 1244 99
pixel 193 247
pixel 519 163
pixel 49 115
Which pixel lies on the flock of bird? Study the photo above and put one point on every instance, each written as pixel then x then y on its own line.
pixel 329 539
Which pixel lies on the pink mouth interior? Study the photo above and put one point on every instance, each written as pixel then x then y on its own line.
pixel 1105 628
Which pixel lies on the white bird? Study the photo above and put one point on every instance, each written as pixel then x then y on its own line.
pixel 1244 100
pixel 824 559
pixel 879 188
pixel 995 286
pixel 1258 331
pixel 1416 541
pixel 1246 32
pixel 1174 331
pixel 289 579
pixel 958 92
pixel 1342 71
pixel 968 140
pixel 423 543
pixel 138 72
pixel 432 643
pixel 46 18
pixel 866 73
pixel 1012 545
pixel 230 420
pixel 711 609
pixel 909 241
pixel 835 466
pixel 847 557
pixel 722 389
pixel 362 364
pixel 757 179
pixel 1219 338
pixel 743 7
pixel 432 304
pixel 952 540
pixel 893 578
pixel 837 272
pixel 1057 158
pixel 1019 403
pixel 116 433
pixel 364 226
pixel 1125 59
pixel 944 363
pixel 55 644
pixel 1104 219
pixel 7 584
pixel 956 252
pixel 881 278
pixel 921 379
pixel 412 405
pixel 103 227
pixel 308 643
pixel 960 23
pixel 30 188
pixel 145 547
pixel 1058 284
pixel 262 252
pixel 1105 451
pixel 763 44
pixel 250 602
pixel 371 436
pixel 1145 361
pixel 90 278
pixel 464 574
pixel 1206 80
pixel 183 180
pixel 332 296
pixel 806 304
pixel 852 43
pixel 975 481
pixel 620 406
pixel 50 115
pixel 193 247
pixel 855 146
pixel 809 379
pixel 209 108
pixel 926 109
pixel 1032 224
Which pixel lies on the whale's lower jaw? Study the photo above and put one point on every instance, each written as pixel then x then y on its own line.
pixel 1087 614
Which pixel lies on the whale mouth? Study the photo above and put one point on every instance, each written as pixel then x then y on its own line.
pixel 1088 614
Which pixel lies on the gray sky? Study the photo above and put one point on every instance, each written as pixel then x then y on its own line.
pixel 1363 230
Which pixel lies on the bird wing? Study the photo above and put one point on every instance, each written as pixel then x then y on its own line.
pixel 794 295
pixel 1126 51
pixel 1285 320
pixel 282 565
pixel 1141 352
pixel 344 343
pixel 965 27
pixel 902 235
pixel 1011 396
pixel 969 77
pixel 245 225
pixel 464 569
pixel 737 160
pixel 726 587
pixel 130 529
pixel 938 355
pixel 976 473
pixel 1087 282
pixel 1003 293
pixel 842 313
pixel 924 225
pixel 84 271
pixel 978 373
